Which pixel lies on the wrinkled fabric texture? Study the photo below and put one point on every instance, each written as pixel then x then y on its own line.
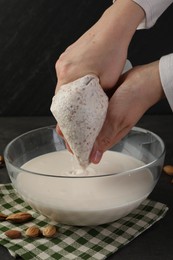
pixel 153 10
pixel 166 76
pixel 80 109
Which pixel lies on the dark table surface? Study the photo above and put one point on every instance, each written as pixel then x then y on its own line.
pixel 154 244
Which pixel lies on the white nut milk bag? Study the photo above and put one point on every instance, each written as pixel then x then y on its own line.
pixel 80 109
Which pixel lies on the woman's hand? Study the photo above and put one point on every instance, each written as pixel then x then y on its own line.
pixel 138 90
pixel 102 50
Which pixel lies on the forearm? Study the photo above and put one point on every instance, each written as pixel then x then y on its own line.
pixel 122 18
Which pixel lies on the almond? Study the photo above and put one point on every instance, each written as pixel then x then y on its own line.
pixel 168 169
pixel 2 162
pixel 33 231
pixel 2 217
pixel 49 231
pixel 19 217
pixel 13 234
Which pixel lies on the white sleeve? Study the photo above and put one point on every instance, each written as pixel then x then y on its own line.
pixel 153 10
pixel 166 76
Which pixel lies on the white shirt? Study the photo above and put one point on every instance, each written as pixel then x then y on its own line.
pixel 153 9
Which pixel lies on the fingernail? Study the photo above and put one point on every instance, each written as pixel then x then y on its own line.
pixel 96 157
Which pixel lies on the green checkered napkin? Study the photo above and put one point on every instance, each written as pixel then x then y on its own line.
pixel 74 242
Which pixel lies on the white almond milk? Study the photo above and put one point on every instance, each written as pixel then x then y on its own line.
pixel 84 198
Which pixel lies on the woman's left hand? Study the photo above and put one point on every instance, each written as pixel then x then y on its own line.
pixel 138 90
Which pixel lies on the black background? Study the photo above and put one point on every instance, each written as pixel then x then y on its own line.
pixel 33 33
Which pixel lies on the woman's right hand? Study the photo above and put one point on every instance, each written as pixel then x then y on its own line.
pixel 102 50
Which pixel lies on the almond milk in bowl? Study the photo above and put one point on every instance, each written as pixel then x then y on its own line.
pixel 49 179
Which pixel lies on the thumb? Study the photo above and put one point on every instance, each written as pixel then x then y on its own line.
pixel 115 127
pixel 105 141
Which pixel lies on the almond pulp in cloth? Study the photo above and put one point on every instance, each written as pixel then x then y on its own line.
pixel 80 109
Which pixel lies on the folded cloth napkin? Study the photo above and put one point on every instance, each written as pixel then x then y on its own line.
pixel 96 242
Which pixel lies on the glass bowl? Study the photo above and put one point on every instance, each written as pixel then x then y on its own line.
pixel 43 173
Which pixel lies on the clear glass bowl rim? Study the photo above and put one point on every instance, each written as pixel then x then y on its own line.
pixel 139 129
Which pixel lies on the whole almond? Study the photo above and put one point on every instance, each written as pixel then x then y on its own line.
pixel 19 217
pixel 2 162
pixel 13 234
pixel 2 217
pixel 49 231
pixel 168 169
pixel 33 231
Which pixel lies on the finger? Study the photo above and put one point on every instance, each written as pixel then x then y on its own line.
pixel 114 128
pixel 68 147
pixel 106 143
pixel 56 89
pixel 58 130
